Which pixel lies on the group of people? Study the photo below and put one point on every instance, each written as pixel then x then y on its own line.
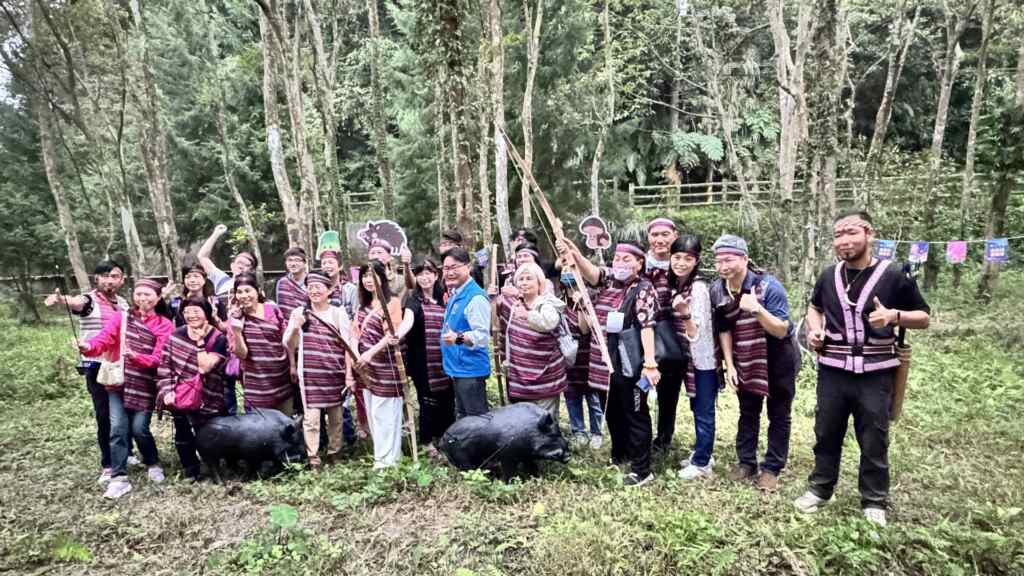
pixel 605 338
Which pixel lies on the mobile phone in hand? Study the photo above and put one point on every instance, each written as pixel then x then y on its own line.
pixel 644 384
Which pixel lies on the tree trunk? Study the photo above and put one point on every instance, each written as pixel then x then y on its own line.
pixel 64 216
pixel 824 91
pixel 377 118
pixel 153 145
pixel 949 66
pixel 1001 197
pixel 533 27
pixel 450 33
pixel 285 51
pixel 606 122
pixel 789 74
pixel 484 145
pixel 900 39
pixel 981 76
pixel 502 216
pixel 289 205
pixel 325 67
pixel 677 79
pixel 441 156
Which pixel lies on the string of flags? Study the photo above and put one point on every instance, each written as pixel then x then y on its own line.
pixel 996 249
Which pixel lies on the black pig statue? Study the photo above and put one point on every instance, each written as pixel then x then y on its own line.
pixel 509 437
pixel 255 437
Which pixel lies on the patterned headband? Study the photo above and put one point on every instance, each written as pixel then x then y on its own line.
pixel 629 249
pixel 660 222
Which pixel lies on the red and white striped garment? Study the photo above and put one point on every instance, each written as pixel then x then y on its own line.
pixel 536 369
pixel 611 294
pixel 384 381
pixel 139 391
pixel 290 295
pixel 266 371
pixel 181 362
pixel 749 350
pixel 322 361
pixel 577 375
pixel 433 321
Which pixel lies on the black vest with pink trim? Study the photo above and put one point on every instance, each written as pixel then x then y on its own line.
pixel 851 344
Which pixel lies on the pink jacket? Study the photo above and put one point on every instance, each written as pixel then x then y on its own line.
pixel 108 341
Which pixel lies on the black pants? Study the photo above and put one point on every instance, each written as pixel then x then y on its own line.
pixel 668 399
pixel 470 396
pixel 437 411
pixel 781 389
pixel 867 397
pixel 629 424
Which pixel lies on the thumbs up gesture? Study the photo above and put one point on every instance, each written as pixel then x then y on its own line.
pixel 881 316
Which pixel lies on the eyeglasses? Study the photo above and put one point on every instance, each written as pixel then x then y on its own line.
pixel 454 267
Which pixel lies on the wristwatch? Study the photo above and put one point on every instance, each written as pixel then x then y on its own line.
pixel 460 339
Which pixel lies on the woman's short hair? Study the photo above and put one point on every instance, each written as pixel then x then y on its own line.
pixel 536 270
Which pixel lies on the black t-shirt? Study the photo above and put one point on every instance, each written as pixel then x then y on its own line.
pixel 895 289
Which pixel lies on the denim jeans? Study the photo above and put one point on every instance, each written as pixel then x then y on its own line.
pixel 574 405
pixel 703 407
pixel 348 426
pixel 101 409
pixel 125 425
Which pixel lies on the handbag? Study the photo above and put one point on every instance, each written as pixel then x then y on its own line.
pixel 188 392
pixel 567 343
pixel 111 373
pixel 668 351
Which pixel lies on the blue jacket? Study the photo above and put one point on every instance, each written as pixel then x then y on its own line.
pixel 462 361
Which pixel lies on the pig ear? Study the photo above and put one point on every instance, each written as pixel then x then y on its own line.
pixel 546 422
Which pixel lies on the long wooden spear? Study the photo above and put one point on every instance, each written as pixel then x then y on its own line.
pixel 556 228
pixel 499 375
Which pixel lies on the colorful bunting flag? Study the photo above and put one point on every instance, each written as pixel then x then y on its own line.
pixel 885 249
pixel 997 250
pixel 918 252
pixel 956 251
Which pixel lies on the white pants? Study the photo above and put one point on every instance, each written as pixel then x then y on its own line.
pixel 385 418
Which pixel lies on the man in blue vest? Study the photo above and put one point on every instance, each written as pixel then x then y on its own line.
pixel 465 335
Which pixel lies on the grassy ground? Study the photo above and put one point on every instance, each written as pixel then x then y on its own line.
pixel 957 490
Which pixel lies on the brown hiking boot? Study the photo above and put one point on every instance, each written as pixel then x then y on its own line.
pixel 768 481
pixel 742 473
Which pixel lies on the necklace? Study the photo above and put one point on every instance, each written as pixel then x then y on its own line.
pixel 849 283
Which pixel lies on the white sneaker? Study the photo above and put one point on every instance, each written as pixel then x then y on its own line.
pixel 133 461
pixel 118 487
pixel 686 461
pixel 104 476
pixel 692 472
pixel 876 515
pixel 156 474
pixel 809 502
pixel 596 442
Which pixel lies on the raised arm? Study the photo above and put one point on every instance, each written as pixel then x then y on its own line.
pixel 204 251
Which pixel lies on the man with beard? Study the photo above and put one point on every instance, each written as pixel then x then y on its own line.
pixel 855 309
pixel 95 308
pixel 400 278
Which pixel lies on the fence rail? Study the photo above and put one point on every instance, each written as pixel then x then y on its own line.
pixel 847 190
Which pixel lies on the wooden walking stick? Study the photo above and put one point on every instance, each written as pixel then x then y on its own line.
pixel 378 293
pixel 556 228
pixel 499 374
